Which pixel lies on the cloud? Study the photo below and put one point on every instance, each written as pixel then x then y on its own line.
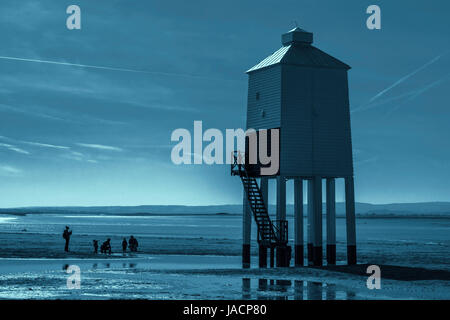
pixel 31 143
pixel 9 171
pixel 46 145
pixel 44 112
pixel 38 114
pixel 14 148
pixel 160 106
pixel 78 156
pixel 73 156
pixel 99 147
pixel 365 161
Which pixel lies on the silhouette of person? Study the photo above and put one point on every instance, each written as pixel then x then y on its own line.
pixel 95 243
pixel 130 243
pixel 66 235
pixel 133 244
pixel 106 246
pixel 124 245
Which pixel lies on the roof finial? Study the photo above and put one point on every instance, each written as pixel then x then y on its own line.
pixel 295 23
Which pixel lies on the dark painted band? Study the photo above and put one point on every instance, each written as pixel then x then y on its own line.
pixel 351 254
pixel 310 252
pixel 262 257
pixel 298 255
pixel 279 256
pixel 282 256
pixel 245 256
pixel 272 257
pixel 317 256
pixel 331 253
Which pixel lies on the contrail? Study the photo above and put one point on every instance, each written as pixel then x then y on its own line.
pixel 421 91
pixel 107 68
pixel 401 80
pixel 71 64
pixel 382 102
pixel 411 95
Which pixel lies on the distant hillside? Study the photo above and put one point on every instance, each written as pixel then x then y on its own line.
pixel 366 209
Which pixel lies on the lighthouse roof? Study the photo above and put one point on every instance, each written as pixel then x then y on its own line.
pixel 298 50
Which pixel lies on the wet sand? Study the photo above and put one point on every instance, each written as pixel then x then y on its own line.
pixel 208 277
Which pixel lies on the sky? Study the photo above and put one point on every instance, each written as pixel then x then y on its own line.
pixel 77 135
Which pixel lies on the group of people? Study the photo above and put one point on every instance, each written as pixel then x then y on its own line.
pixel 105 248
pixel 132 244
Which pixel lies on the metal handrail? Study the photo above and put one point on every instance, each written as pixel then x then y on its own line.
pixel 279 234
pixel 237 161
pixel 281 230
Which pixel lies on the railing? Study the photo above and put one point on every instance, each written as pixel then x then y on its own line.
pixel 278 229
pixel 281 230
pixel 237 163
pixel 271 234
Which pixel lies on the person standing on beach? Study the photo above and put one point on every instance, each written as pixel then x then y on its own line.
pixel 66 235
pixel 136 244
pixel 133 244
pixel 95 243
pixel 124 245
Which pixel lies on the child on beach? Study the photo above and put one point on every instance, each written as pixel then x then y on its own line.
pixel 106 247
pixel 124 245
pixel 95 243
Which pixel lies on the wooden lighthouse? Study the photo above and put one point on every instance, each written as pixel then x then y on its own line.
pixel 303 93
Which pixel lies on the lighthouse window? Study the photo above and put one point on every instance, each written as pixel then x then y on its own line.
pixel 257 96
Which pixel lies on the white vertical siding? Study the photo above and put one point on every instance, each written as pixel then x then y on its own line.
pixel 311 107
pixel 296 123
pixel 266 82
pixel 332 138
pixel 315 134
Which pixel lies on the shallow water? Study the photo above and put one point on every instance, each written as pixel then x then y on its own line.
pixel 407 230
pixel 281 289
pixel 140 278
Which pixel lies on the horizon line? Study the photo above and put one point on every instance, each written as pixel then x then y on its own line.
pixel 202 205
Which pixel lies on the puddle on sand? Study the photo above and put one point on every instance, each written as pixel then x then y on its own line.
pixel 270 289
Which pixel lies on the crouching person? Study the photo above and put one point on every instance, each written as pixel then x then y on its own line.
pixel 106 247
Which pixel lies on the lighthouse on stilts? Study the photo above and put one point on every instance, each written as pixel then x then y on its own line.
pixel 298 106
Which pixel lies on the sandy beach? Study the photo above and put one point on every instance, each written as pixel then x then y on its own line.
pixel 203 262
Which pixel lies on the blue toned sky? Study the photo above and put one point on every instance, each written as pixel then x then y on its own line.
pixel 72 135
